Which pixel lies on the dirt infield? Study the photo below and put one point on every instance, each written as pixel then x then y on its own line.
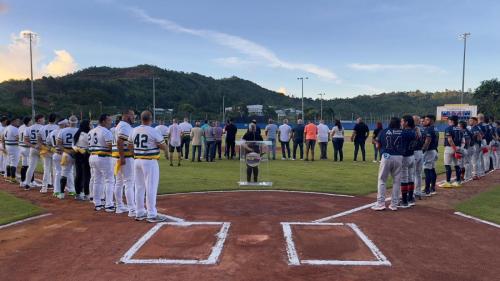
pixel 427 242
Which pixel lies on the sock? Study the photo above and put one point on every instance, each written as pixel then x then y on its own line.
pixel 8 171
pixel 24 169
pixel 458 173
pixel 404 192
pixel 433 178
pixel 448 173
pixel 428 179
pixel 13 172
pixel 411 188
pixel 462 176
pixel 64 180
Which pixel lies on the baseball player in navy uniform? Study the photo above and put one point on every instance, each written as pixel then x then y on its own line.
pixel 419 158
pixel 430 154
pixel 452 155
pixel 391 141
pixel 476 141
pixel 408 163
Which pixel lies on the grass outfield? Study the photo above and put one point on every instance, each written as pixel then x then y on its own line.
pixel 347 177
pixel 483 206
pixel 14 209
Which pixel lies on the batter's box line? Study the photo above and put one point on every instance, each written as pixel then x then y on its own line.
pixel 293 256
pixel 211 260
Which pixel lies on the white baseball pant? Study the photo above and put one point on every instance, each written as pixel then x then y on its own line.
pixel 419 166
pixel 47 170
pixel 56 165
pixel 147 175
pixel 389 165
pixel 67 171
pixel 24 153
pixel 101 170
pixel 125 178
pixel 12 155
pixel 34 156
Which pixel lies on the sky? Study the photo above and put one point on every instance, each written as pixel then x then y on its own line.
pixel 345 48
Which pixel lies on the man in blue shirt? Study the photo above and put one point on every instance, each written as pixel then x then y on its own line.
pixel 409 143
pixel 298 139
pixel 271 131
pixel 452 142
pixel 391 141
pixel 430 154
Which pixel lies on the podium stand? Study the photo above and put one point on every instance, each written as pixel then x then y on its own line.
pixel 254 163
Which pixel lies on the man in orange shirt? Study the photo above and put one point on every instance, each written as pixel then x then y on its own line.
pixel 310 135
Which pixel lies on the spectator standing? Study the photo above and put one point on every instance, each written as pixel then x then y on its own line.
pixel 175 132
pixel 186 137
pixel 284 133
pixel 196 135
pixel 323 138
pixel 218 132
pixel 82 166
pixel 338 141
pixel 210 142
pixel 359 137
pixel 270 132
pixel 310 134
pixel 298 139
pixel 231 131
pixel 377 131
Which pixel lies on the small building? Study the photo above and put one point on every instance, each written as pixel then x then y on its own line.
pixel 255 109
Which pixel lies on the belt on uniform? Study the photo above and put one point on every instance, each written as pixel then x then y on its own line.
pixel 149 157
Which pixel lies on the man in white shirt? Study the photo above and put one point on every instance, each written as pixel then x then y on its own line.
pixel 56 156
pixel 24 149
pixel 3 157
pixel 175 132
pixel 45 152
pixel 284 132
pixel 186 137
pixel 10 146
pixel 65 146
pixel 146 143
pixel 323 133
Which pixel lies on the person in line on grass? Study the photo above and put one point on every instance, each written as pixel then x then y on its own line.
pixel 186 137
pixel 270 131
pixel 310 135
pixel 210 140
pixel 377 130
pixel 337 134
pixel 452 142
pixel 175 133
pixel 218 132
pixel 230 131
pixel 359 136
pixel 196 136
pixel 82 166
pixel 430 154
pixel 323 133
pixel 284 134
pixel 298 139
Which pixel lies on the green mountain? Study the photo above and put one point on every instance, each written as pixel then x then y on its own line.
pixel 86 91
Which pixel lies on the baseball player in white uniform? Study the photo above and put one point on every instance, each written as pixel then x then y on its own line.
pixel 56 156
pixel 163 129
pixel 101 168
pixel 124 166
pixel 146 143
pixel 24 149
pixel 31 138
pixel 65 145
pixel 11 147
pixel 46 154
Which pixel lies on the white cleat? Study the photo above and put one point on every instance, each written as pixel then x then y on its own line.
pixel 378 207
pixel 121 210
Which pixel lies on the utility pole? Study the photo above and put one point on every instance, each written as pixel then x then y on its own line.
pixel 321 105
pixel 302 82
pixel 154 98
pixel 464 37
pixel 31 36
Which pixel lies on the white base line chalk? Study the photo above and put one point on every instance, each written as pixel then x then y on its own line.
pixel 257 190
pixel 212 258
pixel 477 219
pixel 348 212
pixel 24 220
pixel 293 257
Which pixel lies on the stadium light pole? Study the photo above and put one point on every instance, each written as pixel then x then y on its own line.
pixel 321 105
pixel 463 37
pixel 302 82
pixel 31 36
pixel 154 98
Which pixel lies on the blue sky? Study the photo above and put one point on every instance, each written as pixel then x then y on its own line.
pixel 346 48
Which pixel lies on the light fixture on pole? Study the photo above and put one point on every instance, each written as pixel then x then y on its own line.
pixel 31 36
pixel 321 104
pixel 463 37
pixel 302 83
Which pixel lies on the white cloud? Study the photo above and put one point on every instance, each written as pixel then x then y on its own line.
pixel 15 63
pixel 402 67
pixel 233 61
pixel 62 64
pixel 282 90
pixel 242 45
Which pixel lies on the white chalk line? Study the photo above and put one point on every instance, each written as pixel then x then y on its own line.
pixel 477 219
pixel 293 257
pixel 348 212
pixel 257 190
pixel 212 258
pixel 24 220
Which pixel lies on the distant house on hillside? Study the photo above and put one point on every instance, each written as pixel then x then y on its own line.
pixel 255 109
